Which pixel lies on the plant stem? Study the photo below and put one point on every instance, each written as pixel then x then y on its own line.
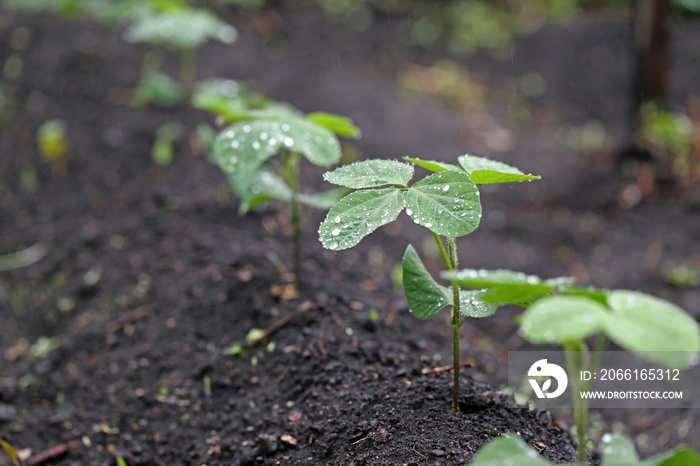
pixel 188 73
pixel 291 166
pixel 576 354
pixel 442 251
pixel 456 324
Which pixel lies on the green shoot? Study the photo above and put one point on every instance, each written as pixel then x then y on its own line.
pixel 447 203
pixel 54 145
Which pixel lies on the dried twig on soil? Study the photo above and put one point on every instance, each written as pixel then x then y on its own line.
pixel 129 317
pixel 51 454
pixel 435 370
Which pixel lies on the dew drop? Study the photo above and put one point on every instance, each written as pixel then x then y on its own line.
pixel 246 129
pixel 337 219
pixel 235 145
pixel 256 145
pixel 285 127
pixel 263 136
pixel 335 232
pixel 446 188
pixel 333 245
pixel 428 225
pixel 288 142
pixel 409 211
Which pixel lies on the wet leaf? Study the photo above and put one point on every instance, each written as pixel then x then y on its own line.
pixel 359 214
pixel 485 171
pixel 424 295
pixel 371 174
pixel 563 319
pixel 258 188
pixel 432 165
pixel 508 451
pixel 159 89
pixel 592 293
pixel 506 286
pixel 446 203
pixel 241 148
pixel 657 329
pixel 340 125
pixel 618 450
pixel 189 28
pixel 471 304
pixel 316 143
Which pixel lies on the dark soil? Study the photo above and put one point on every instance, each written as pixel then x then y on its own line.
pixel 151 276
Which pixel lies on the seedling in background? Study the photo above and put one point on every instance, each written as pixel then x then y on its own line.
pixel 654 329
pixel 446 203
pixel 54 145
pixel 242 149
pixel 176 25
pixel 163 151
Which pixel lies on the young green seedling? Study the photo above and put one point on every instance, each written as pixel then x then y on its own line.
pixel 446 203
pixel 653 328
pixel 242 149
pixel 616 450
pixel 174 24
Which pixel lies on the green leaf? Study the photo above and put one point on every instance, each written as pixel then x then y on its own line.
pixel 683 456
pixel 220 97
pixel 11 452
pixel 471 304
pixel 432 165
pixel 508 450
pixel 340 125
pixel 485 171
pixel 358 214
pixel 658 330
pixel 506 286
pixel 618 450
pixel 316 143
pixel 563 319
pixel 243 147
pixel 179 28
pixel 371 174
pixel 159 89
pixel 259 187
pixel 446 203
pixel 592 293
pixel 424 295
pixel 324 200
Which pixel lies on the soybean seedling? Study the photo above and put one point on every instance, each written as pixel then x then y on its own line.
pixel 446 203
pixel 176 25
pixel 654 329
pixel 242 149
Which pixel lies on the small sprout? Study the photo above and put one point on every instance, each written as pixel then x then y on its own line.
pixel 236 350
pixel 44 346
pixel 207 386
pixel 158 89
pixel 254 335
pixel 270 348
pixel 373 315
pixel 163 151
pixel 54 145
pixel 121 461
pixel 11 453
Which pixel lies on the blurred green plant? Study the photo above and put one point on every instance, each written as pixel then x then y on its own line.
pixel 54 145
pixel 671 135
pixel 242 149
